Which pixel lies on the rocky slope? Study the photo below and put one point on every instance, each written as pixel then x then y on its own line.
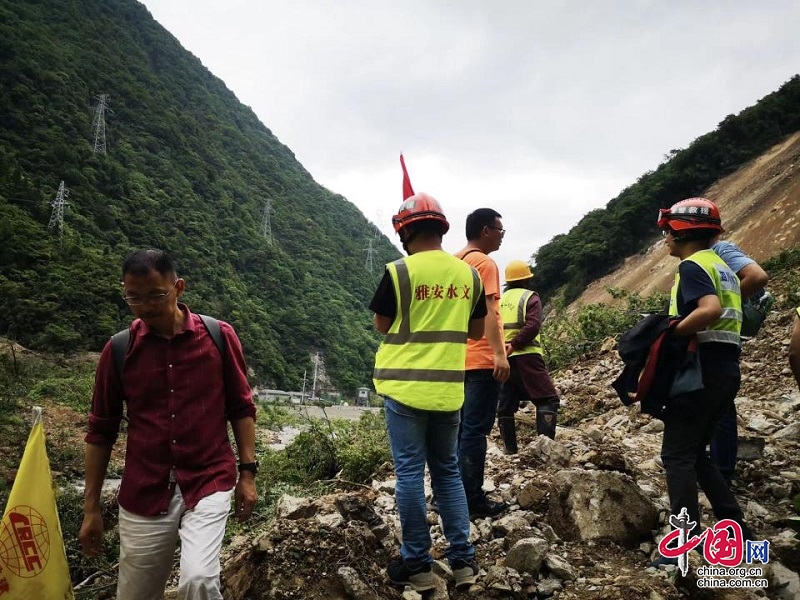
pixel 760 206
pixel 587 509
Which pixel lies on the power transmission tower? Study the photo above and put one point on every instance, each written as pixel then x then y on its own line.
pixel 314 384
pixel 99 124
pixel 266 225
pixel 368 263
pixel 57 216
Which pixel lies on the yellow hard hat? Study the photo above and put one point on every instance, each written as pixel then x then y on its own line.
pixel 518 270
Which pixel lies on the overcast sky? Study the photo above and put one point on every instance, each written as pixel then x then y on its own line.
pixel 540 110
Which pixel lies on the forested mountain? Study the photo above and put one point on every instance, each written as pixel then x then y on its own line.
pixel 603 238
pixel 188 169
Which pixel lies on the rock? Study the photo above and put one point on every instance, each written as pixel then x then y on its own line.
pixel 292 507
pixel 750 448
pixel 531 494
pixel 559 567
pixel 791 432
pixel 547 587
pixel 653 426
pixel 595 434
pixel 551 452
pixel 331 520
pixel 526 555
pixel 600 505
pixel 354 586
pixel 783 582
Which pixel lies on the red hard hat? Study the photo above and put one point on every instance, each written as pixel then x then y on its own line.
pixel 692 213
pixel 419 207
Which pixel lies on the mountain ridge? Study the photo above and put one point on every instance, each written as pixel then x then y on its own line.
pixel 188 169
pixel 759 204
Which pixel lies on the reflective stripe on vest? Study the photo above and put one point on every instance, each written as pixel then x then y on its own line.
pixel 421 360
pixel 513 309
pixel 725 329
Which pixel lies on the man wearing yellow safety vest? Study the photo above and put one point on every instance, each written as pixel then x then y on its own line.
pixel 794 348
pixel 427 305
pixel 706 297
pixel 521 313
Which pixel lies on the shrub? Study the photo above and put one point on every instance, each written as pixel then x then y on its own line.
pixel 566 337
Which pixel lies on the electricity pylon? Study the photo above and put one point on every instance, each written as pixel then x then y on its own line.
pixel 266 224
pixel 99 124
pixel 57 216
pixel 368 263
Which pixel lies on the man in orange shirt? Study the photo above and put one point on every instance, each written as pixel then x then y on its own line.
pixel 487 366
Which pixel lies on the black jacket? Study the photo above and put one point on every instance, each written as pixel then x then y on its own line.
pixel 658 365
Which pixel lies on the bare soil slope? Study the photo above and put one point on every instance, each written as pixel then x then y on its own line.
pixel 760 204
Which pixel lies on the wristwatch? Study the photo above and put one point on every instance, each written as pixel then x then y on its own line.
pixel 250 466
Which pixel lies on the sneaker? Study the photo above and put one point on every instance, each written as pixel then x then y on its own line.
pixel 465 572
pixel 415 573
pixel 486 507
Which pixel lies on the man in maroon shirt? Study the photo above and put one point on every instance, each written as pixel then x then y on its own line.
pixel 180 470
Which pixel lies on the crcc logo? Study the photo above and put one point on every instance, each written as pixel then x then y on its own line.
pixel 24 542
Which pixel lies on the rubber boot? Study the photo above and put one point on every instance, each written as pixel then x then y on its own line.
pixel 546 417
pixel 508 431
pixel 471 469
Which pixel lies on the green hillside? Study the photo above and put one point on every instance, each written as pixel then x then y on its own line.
pixel 602 240
pixel 188 169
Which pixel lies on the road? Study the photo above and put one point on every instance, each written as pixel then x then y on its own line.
pixel 351 413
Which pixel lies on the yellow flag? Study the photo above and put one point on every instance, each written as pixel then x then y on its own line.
pixel 33 562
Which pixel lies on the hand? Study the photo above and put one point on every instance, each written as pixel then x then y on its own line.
pixel 509 349
pixel 501 368
pixel 245 496
pixel 91 534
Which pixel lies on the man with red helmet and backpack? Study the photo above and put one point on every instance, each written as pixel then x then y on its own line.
pixel 427 305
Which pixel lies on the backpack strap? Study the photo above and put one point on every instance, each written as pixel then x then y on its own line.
pixel 119 348
pixel 212 325
pixel 122 339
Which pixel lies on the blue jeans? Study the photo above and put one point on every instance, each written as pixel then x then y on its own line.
pixel 481 394
pixel 416 437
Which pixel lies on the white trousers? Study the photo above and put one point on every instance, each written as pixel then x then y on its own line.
pixel 147 549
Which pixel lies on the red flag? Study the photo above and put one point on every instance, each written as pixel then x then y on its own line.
pixel 408 191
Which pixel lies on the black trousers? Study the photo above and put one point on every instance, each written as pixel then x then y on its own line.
pixel 689 425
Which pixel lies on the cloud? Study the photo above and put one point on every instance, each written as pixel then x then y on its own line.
pixel 543 110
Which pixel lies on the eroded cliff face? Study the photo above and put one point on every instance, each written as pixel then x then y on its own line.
pixel 760 206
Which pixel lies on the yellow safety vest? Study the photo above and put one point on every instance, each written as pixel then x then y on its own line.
pixel 421 360
pixel 725 329
pixel 513 308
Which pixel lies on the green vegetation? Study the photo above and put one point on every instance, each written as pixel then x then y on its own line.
pixel 566 337
pixel 604 237
pixel 188 169
pixel 785 265
pixel 326 449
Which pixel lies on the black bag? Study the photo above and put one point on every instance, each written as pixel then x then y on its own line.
pixel 754 312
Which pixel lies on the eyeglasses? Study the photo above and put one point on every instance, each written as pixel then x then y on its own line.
pixel 151 299
pixel 500 229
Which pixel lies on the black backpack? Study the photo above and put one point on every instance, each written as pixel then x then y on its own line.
pixel 122 339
